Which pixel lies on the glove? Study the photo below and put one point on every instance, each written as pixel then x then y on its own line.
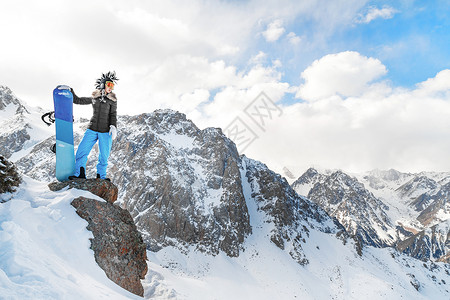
pixel 113 131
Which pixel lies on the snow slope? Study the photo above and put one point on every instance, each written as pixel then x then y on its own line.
pixel 264 271
pixel 45 249
pixel 45 254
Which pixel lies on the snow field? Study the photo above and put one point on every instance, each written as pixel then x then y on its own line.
pixel 45 249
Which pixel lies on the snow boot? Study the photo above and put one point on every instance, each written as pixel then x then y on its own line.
pixel 98 177
pixel 81 176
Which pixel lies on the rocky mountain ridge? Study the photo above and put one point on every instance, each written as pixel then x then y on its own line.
pixel 19 123
pixel 429 244
pixel 385 208
pixel 358 210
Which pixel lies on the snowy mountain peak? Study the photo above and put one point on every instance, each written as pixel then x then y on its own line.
pixel 10 104
pixel 346 181
pixel 357 209
pixel 305 182
pixel 384 207
pixel 417 186
pixel 170 120
pixel 388 175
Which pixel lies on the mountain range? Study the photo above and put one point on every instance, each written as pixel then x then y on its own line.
pixel 205 211
pixel 409 212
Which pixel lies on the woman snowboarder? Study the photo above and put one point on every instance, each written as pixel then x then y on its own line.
pixel 102 127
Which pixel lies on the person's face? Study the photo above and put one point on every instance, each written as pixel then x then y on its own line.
pixel 109 86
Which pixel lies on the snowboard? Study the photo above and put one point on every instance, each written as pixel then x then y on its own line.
pixel 65 159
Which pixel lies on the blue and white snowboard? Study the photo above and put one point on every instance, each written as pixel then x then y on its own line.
pixel 65 159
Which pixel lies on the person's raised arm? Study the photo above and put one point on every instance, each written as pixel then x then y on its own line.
pixel 80 100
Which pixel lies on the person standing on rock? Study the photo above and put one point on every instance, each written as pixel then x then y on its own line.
pixel 102 127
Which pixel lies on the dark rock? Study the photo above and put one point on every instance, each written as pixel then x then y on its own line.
pixel 118 247
pixel 429 244
pixel 9 178
pixel 436 202
pixel 414 282
pixel 100 187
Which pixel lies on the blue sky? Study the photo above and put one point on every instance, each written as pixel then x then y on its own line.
pixel 362 84
pixel 413 43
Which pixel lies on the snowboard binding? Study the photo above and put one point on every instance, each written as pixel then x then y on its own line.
pixel 50 116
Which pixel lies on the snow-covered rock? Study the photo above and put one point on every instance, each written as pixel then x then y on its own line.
pixel 357 209
pixel 429 244
pixel 182 185
pixel 21 126
pixel 289 214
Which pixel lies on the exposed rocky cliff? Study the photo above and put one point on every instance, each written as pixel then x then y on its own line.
pixel 289 214
pixel 117 244
pixel 430 244
pixel 182 185
pixel 357 209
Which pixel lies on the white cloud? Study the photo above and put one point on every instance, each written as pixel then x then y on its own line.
pixel 66 43
pixel 274 31
pixel 259 58
pixel 346 74
pixel 293 38
pixel 440 83
pixel 373 13
pixel 392 128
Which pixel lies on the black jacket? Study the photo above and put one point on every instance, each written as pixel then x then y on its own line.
pixel 105 110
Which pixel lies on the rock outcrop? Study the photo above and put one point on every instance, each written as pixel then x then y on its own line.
pixel 118 246
pixel 9 178
pixel 102 188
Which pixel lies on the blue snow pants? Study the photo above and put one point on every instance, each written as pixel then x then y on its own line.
pixel 104 146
